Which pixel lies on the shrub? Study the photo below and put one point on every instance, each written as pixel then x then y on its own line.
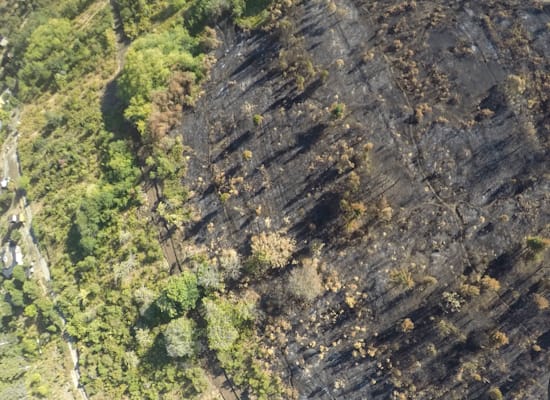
pixel 402 277
pixel 495 394
pixel 536 244
pixel 499 339
pixel 490 283
pixel 337 110
pixel 452 301
pixel 41 391
pixel 209 277
pixel 247 155
pixel 447 328
pixel 469 290
pixel 407 325
pixel 257 119
pixel 271 250
pixel 305 282
pixel 230 263
pixel 15 235
pixel 541 302
pixel 209 39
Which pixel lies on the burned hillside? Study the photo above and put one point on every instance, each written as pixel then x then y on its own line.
pixel 403 146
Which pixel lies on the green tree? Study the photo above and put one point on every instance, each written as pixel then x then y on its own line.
pixel 179 296
pixel 31 290
pixel 198 381
pixel 221 331
pixel 46 57
pixel 5 309
pixel 179 337
pixel 19 275
pixel 5 200
pixel 15 295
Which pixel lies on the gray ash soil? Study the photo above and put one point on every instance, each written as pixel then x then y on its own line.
pixel 455 100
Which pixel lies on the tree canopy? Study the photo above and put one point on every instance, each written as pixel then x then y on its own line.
pixel 179 295
pixel 179 337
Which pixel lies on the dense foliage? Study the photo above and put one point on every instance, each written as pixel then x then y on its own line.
pixel 58 52
pixel 149 64
pixel 140 332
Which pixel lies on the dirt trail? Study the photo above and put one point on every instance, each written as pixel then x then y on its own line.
pixel 84 19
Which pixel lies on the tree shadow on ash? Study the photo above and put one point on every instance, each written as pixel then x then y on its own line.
pixel 193 231
pixel 234 146
pixel 317 223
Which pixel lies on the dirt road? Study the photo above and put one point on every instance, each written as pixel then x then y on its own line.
pixel 31 253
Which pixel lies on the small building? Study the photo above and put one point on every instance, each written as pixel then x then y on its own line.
pixel 17 218
pixel 3 41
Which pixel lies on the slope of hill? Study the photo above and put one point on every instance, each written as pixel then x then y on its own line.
pixel 249 199
pixel 405 147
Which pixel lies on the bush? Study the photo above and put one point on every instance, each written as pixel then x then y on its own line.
pixel 257 119
pixel 41 391
pixel 337 110
pixel 230 263
pixel 495 394
pixel 305 282
pixel 536 244
pixel 271 250
pixel 221 331
pixel 452 301
pixel 499 339
pixel 209 277
pixel 541 302
pixel 407 325
pixel 490 283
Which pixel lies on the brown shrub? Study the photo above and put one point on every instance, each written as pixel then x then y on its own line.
pixel 541 302
pixel 407 325
pixel 490 283
pixel 271 250
pixel 499 339
pixel 305 282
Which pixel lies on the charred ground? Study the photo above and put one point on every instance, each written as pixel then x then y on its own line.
pixel 405 146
